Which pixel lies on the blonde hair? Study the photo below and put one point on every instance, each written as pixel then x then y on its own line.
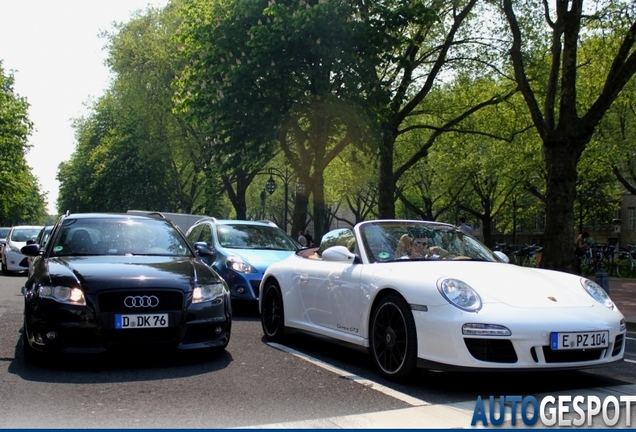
pixel 403 246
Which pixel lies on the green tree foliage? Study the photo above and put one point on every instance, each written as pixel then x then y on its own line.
pixel 430 52
pixel 565 109
pixel 133 151
pixel 21 200
pixel 296 75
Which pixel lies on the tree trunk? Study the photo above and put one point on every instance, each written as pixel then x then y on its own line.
pixel 299 216
pixel 561 158
pixel 318 188
pixel 486 228
pixel 386 182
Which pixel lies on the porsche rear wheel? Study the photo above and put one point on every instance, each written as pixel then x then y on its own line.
pixel 393 338
pixel 273 313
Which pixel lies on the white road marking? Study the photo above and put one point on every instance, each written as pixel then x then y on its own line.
pixel 630 361
pixel 344 374
pixel 628 338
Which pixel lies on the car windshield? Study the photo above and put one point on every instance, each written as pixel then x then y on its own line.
pixel 244 236
pixel 22 235
pixel 113 236
pixel 4 232
pixel 414 240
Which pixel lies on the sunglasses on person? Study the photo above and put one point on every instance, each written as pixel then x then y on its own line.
pixel 420 243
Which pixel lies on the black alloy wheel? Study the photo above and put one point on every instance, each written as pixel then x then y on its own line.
pixel 272 313
pixel 393 338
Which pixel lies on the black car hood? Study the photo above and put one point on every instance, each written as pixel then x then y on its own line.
pixel 98 273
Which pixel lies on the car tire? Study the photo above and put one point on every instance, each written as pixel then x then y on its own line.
pixel 393 338
pixel 4 268
pixel 273 313
pixel 31 355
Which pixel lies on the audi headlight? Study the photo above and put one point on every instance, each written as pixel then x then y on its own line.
pixel 237 264
pixel 62 294
pixel 598 293
pixel 208 292
pixel 460 295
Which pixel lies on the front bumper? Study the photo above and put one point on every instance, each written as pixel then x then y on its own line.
pixel 54 327
pixel 243 286
pixel 16 261
pixel 441 344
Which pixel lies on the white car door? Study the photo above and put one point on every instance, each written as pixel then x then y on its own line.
pixel 331 295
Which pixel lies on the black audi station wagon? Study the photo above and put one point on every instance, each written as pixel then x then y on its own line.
pixel 120 281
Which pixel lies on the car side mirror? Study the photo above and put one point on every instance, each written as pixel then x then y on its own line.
pixel 502 256
pixel 204 250
pixel 339 253
pixel 32 249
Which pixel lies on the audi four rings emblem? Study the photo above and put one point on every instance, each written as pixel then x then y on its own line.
pixel 141 301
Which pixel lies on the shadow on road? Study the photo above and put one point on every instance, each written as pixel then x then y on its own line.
pixel 117 367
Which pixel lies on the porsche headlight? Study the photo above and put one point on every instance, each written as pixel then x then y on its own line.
pixel 237 264
pixel 207 292
pixel 598 293
pixel 460 295
pixel 63 294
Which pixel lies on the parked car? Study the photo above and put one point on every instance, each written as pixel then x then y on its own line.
pixel 109 282
pixel 4 231
pixel 40 240
pixel 12 259
pixel 425 294
pixel 240 251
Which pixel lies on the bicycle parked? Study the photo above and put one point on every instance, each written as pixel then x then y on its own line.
pixel 596 256
pixel 626 262
pixel 529 255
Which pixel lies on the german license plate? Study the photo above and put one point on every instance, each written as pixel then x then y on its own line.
pixel 579 340
pixel 141 321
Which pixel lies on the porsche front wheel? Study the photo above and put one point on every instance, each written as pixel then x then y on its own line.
pixel 272 313
pixel 393 338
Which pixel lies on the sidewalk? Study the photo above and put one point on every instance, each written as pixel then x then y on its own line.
pixel 623 293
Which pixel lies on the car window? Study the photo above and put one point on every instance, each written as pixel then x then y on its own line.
pixel 342 237
pixel 206 234
pixel 397 240
pixel 23 235
pixel 243 236
pixel 195 233
pixel 110 236
pixel 43 237
pixel 4 232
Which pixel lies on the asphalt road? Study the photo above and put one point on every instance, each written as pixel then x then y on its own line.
pixel 250 385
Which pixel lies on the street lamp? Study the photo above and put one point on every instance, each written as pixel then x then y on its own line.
pixel 270 187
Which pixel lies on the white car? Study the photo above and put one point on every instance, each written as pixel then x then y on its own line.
pixel 12 259
pixel 425 294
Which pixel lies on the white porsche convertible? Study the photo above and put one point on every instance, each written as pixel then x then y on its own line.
pixel 424 294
